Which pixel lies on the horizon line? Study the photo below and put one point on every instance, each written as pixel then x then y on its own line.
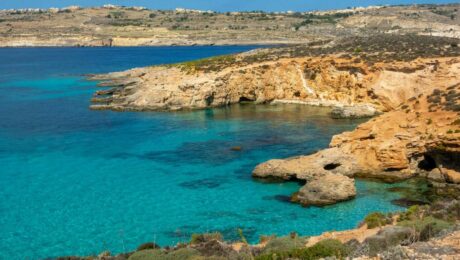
pixel 215 11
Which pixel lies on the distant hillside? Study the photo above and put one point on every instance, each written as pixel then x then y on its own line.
pixel 135 26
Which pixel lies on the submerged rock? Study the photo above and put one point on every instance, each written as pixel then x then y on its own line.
pixel 236 148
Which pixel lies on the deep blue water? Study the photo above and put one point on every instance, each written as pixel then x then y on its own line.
pixel 78 182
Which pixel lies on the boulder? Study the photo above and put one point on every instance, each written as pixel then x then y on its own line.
pixel 452 176
pixel 328 189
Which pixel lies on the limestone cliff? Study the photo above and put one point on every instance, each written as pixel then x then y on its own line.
pixel 328 81
pixel 421 137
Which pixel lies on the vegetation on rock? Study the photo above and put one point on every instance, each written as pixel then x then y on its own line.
pixel 377 219
pixel 325 248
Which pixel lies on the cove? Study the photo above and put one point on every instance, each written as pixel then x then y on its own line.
pixel 78 182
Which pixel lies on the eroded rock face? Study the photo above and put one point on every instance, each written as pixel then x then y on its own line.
pixel 420 137
pixel 357 88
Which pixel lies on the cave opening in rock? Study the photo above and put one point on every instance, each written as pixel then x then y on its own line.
pixel 392 169
pixel 331 166
pixel 245 99
pixel 209 100
pixel 427 164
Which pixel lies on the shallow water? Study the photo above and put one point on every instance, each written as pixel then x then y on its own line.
pixel 78 182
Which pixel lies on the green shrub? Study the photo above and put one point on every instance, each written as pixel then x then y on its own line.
pixel 424 223
pixel 116 15
pixel 376 219
pixel 183 253
pixel 242 237
pixel 412 213
pixel 148 245
pixel 283 244
pixel 149 254
pixel 156 254
pixel 201 238
pixel 421 223
pixel 208 64
pixel 325 248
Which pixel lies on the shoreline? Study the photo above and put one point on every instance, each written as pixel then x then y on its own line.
pixel 259 45
pixel 378 235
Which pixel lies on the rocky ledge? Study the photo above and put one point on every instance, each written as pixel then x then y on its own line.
pixel 417 90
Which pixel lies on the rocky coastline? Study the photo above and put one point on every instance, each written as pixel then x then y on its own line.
pixel 413 96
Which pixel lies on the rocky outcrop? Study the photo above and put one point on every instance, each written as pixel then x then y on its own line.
pixel 325 183
pixel 420 137
pixel 309 167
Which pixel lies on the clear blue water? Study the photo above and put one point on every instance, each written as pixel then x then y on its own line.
pixel 78 182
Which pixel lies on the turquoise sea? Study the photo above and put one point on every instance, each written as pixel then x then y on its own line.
pixel 78 182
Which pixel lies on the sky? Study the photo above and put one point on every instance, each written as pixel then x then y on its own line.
pixel 217 5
